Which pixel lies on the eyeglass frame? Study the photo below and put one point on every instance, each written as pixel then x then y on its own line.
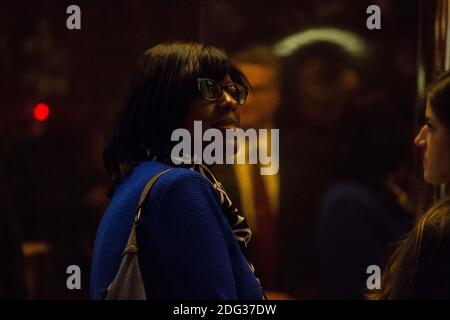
pixel 222 88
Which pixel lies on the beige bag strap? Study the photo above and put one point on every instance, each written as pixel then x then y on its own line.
pixel 145 193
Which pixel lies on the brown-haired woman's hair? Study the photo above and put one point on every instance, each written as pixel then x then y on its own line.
pixel 419 267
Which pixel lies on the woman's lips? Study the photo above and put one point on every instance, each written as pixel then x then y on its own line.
pixel 227 124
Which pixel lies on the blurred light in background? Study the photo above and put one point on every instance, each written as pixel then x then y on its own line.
pixel 349 41
pixel 41 112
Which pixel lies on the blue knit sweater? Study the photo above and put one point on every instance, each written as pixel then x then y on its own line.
pixel 187 248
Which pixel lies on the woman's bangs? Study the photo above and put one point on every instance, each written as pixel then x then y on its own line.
pixel 212 65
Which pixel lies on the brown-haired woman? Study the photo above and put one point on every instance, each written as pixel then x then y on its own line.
pixel 420 266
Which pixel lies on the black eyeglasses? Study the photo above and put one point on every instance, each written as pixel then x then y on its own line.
pixel 212 91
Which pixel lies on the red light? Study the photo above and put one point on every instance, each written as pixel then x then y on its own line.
pixel 41 112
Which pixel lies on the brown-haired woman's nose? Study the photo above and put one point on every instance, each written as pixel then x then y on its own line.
pixel 420 139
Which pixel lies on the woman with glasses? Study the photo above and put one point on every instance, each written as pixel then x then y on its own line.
pixel 191 238
pixel 420 266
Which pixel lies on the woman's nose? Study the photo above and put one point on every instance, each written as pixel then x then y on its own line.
pixel 420 139
pixel 227 101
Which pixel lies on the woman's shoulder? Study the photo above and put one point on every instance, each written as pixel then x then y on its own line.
pixel 173 175
pixel 174 180
pixel 181 179
pixel 177 190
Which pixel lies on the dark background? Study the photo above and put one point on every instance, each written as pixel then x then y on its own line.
pixel 52 171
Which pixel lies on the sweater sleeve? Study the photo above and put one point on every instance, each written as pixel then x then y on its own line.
pixel 186 241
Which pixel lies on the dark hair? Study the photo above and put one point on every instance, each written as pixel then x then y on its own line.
pixel 155 103
pixel 439 97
